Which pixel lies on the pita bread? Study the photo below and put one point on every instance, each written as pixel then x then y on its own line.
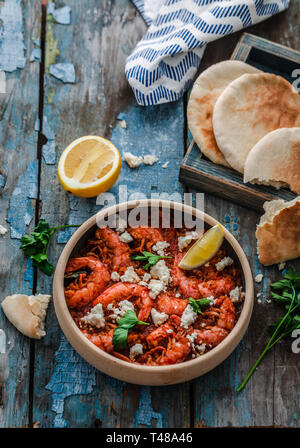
pixel 27 313
pixel 278 232
pixel 206 90
pixel 248 109
pixel 275 160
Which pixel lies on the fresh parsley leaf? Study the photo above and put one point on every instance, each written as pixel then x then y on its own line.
pixel 128 321
pixel 151 258
pixel 35 246
pixel 197 304
pixel 286 295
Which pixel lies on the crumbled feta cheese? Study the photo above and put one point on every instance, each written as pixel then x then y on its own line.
pixel 155 287
pixel 158 318
pixel 146 277
pixel 184 241
pixel 258 278
pixel 150 159
pixel 136 350
pixel 3 230
pixel 115 277
pixel 281 266
pixel 95 317
pixel 132 160
pixel 130 276
pixel 121 309
pixel 188 317
pixel 169 331
pixel 177 294
pixel 192 337
pixel 161 271
pixel 126 237
pixel 123 124
pixel 159 247
pixel 235 294
pixel 226 261
pixel 165 165
pixel 201 348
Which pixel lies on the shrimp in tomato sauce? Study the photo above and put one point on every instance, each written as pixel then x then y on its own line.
pixel 108 280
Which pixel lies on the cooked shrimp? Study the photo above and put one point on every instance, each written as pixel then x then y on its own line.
pixel 188 286
pixel 124 291
pixel 216 287
pixel 159 334
pixel 103 340
pixel 225 323
pixel 121 251
pixel 166 303
pixel 147 235
pixel 177 351
pixel 79 295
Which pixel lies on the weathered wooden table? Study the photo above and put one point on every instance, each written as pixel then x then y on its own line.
pixel 49 383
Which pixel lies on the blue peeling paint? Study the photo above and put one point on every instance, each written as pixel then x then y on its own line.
pixel 71 376
pixel 64 71
pixel 11 38
pixel 60 15
pixel 21 207
pixel 49 152
pixel 145 413
pixel 49 148
pixel 36 55
pixel 29 273
pixel 47 130
pixel 2 181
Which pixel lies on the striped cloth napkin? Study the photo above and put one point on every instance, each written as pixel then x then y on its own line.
pixel 164 62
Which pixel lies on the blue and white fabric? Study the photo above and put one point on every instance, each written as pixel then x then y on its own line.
pixel 165 61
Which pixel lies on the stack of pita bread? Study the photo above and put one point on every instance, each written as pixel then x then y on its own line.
pixel 249 120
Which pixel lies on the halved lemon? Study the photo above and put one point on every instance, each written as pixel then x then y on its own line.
pixel 203 249
pixel 89 166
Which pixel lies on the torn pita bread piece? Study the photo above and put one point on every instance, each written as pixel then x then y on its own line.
pixel 275 160
pixel 278 232
pixel 27 313
pixel 206 90
pixel 250 107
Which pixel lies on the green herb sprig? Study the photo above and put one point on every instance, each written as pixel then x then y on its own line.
pixel 128 321
pixel 286 294
pixel 35 246
pixel 151 259
pixel 198 304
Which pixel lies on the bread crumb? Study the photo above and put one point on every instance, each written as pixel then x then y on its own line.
pixel 150 159
pixel 258 278
pixel 281 265
pixel 132 160
pixel 165 165
pixel 3 230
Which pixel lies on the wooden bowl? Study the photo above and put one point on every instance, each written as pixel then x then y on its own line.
pixel 139 374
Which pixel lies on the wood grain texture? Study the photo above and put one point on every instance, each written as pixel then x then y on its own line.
pixel 18 152
pixel 271 396
pixel 68 392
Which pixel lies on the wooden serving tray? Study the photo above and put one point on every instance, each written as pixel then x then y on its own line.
pixel 199 172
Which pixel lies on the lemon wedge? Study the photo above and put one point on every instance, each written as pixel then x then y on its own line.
pixel 203 249
pixel 89 166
